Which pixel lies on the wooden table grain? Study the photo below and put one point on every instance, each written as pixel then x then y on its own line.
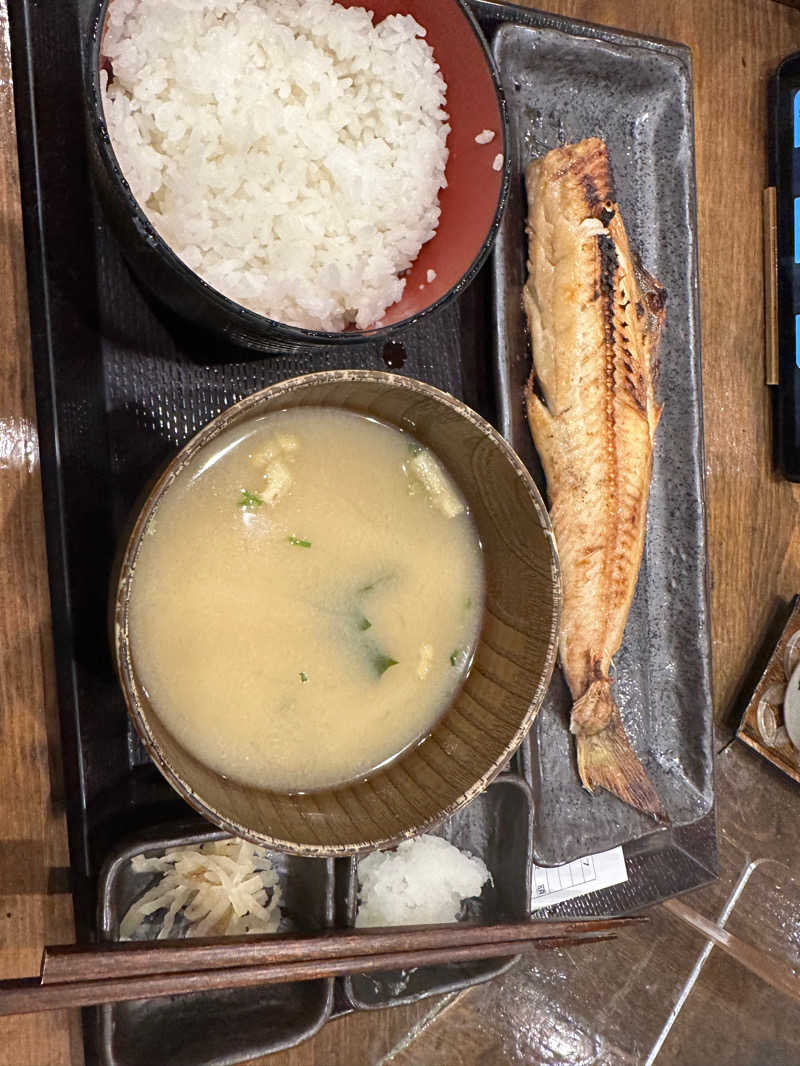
pixel 753 514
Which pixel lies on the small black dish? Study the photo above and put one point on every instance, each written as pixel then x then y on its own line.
pixel 212 1028
pixel 496 827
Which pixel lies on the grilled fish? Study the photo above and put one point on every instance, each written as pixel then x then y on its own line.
pixel 595 320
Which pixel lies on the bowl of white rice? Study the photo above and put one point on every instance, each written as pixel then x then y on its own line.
pixel 286 172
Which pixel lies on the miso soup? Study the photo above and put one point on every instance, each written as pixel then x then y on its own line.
pixel 307 599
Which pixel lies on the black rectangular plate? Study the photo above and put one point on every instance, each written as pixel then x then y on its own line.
pixel 637 96
pixel 121 384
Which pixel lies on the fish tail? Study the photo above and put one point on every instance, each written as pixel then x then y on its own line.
pixel 605 756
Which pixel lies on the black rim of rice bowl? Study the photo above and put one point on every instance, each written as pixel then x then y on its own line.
pixel 179 287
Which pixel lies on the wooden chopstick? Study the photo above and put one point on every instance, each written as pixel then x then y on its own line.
pixel 119 972
pixel 146 958
pixel 29 995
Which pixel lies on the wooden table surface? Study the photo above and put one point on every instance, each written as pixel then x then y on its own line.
pixel 754 531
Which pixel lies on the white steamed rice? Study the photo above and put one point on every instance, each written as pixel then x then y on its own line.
pixel 289 151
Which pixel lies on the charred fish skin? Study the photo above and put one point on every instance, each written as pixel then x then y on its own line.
pixel 595 320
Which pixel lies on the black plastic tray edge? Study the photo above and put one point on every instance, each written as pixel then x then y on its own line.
pixel 47 425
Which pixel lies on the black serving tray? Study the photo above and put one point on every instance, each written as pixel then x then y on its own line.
pixel 121 384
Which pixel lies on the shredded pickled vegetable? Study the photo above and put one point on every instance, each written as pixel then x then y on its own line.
pixel 223 888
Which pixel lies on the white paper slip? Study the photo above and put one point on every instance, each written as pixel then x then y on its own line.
pixel 553 884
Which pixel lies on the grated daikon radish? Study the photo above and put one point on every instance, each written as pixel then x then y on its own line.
pixel 422 882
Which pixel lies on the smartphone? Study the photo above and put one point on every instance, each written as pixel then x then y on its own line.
pixel 784 126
